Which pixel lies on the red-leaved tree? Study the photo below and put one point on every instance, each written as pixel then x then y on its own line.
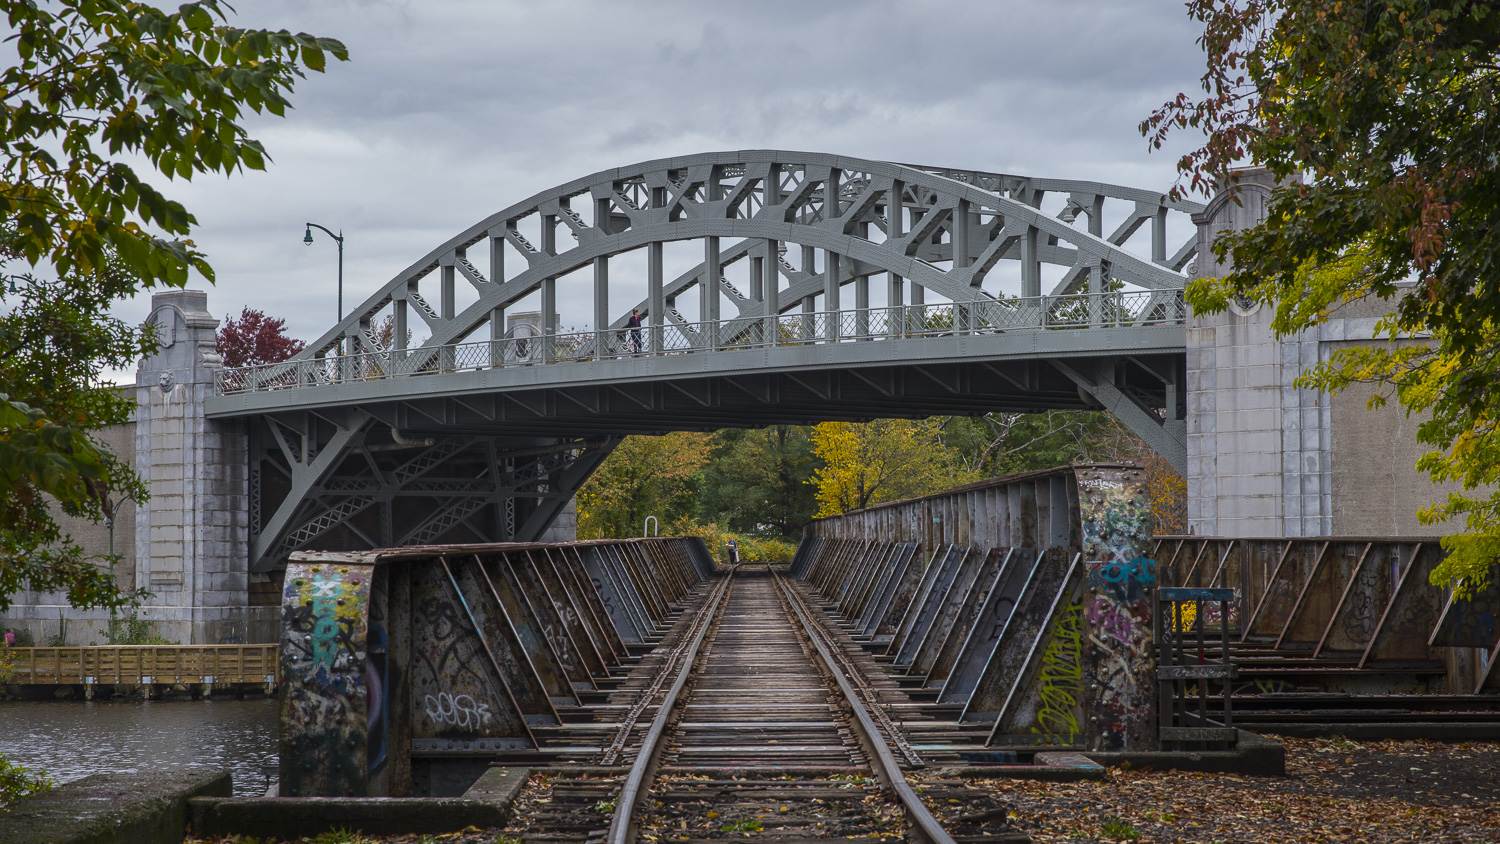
pixel 255 338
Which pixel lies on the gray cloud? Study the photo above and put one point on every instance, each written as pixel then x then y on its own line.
pixel 450 111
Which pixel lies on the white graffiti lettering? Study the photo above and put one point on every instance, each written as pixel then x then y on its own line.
pixel 459 711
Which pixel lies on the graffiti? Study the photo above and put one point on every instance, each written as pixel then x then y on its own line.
pixel 1125 579
pixel 1183 615
pixel 1116 521
pixel 1104 615
pixel 1361 614
pixel 323 612
pixel 1119 661
pixel 1060 679
pixel 529 640
pixel 459 711
pixel 325 701
pixel 454 678
pixel 377 699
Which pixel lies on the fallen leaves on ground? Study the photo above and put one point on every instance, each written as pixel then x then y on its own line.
pixel 1335 791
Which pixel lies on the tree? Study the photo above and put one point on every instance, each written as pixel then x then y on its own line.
pixel 97 86
pixel 55 343
pixel 255 339
pixel 1005 443
pixel 643 476
pixel 1380 120
pixel 882 460
pixel 760 481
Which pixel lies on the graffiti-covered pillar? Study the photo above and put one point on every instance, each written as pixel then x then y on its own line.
pixel 1119 665
pixel 325 692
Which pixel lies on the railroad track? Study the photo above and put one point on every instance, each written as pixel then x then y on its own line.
pixel 758 724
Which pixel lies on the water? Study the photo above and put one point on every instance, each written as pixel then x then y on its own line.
pixel 70 740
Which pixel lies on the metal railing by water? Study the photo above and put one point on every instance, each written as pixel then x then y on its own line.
pixel 988 317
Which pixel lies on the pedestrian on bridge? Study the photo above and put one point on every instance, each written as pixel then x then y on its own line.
pixel 634 324
pixel 734 551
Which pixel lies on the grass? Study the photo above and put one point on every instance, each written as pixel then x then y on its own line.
pixel 1118 829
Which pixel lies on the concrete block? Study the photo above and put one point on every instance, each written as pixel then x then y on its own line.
pixel 1267 375
pixel 136 808
pixel 292 818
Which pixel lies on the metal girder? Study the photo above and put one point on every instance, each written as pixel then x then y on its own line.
pixel 362 492
pixel 725 195
pixel 1167 437
pixel 306 471
pixel 780 231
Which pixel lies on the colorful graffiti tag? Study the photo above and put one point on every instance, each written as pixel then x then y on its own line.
pixel 1119 665
pixel 324 700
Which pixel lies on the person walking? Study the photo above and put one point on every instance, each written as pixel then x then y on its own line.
pixel 734 551
pixel 634 324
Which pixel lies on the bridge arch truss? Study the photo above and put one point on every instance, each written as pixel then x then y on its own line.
pixel 999 292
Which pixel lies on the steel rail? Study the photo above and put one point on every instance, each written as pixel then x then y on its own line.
pixel 913 759
pixel 645 760
pixel 689 648
pixel 885 762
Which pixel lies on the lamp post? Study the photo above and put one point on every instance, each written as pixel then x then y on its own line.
pixel 307 238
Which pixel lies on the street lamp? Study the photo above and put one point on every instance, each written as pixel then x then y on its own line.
pixel 307 238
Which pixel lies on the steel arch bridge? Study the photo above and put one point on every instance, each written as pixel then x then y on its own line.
pixel 995 292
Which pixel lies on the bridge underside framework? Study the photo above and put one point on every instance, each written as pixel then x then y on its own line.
pixel 818 288
pixel 405 669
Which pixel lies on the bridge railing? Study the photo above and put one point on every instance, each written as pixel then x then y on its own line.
pixel 994 316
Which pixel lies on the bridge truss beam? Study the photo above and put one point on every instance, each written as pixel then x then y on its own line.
pixel 353 484
pixel 1001 293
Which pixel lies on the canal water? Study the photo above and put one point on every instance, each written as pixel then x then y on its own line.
pixel 72 739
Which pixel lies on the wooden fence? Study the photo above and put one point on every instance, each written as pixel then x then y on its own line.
pixel 143 665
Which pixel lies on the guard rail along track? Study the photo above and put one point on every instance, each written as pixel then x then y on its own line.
pixel 767 726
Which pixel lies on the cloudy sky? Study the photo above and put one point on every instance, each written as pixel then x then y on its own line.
pixel 449 111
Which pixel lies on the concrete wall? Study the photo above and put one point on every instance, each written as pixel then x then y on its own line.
pixel 1268 459
pixel 189 545
pixel 46 614
pixel 1377 488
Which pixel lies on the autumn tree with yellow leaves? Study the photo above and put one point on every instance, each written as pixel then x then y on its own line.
pixel 882 460
pixel 644 476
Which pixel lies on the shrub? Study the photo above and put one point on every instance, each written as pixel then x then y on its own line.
pixel 17 782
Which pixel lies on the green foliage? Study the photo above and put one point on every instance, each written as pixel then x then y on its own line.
pixel 746 825
pixel 643 476
pixel 758 482
pixel 762 486
pixel 54 346
pixel 882 460
pixel 338 836
pixel 752 549
pixel 99 85
pixel 110 81
pixel 1118 829
pixel 1380 120
pixel 133 631
pixel 17 782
